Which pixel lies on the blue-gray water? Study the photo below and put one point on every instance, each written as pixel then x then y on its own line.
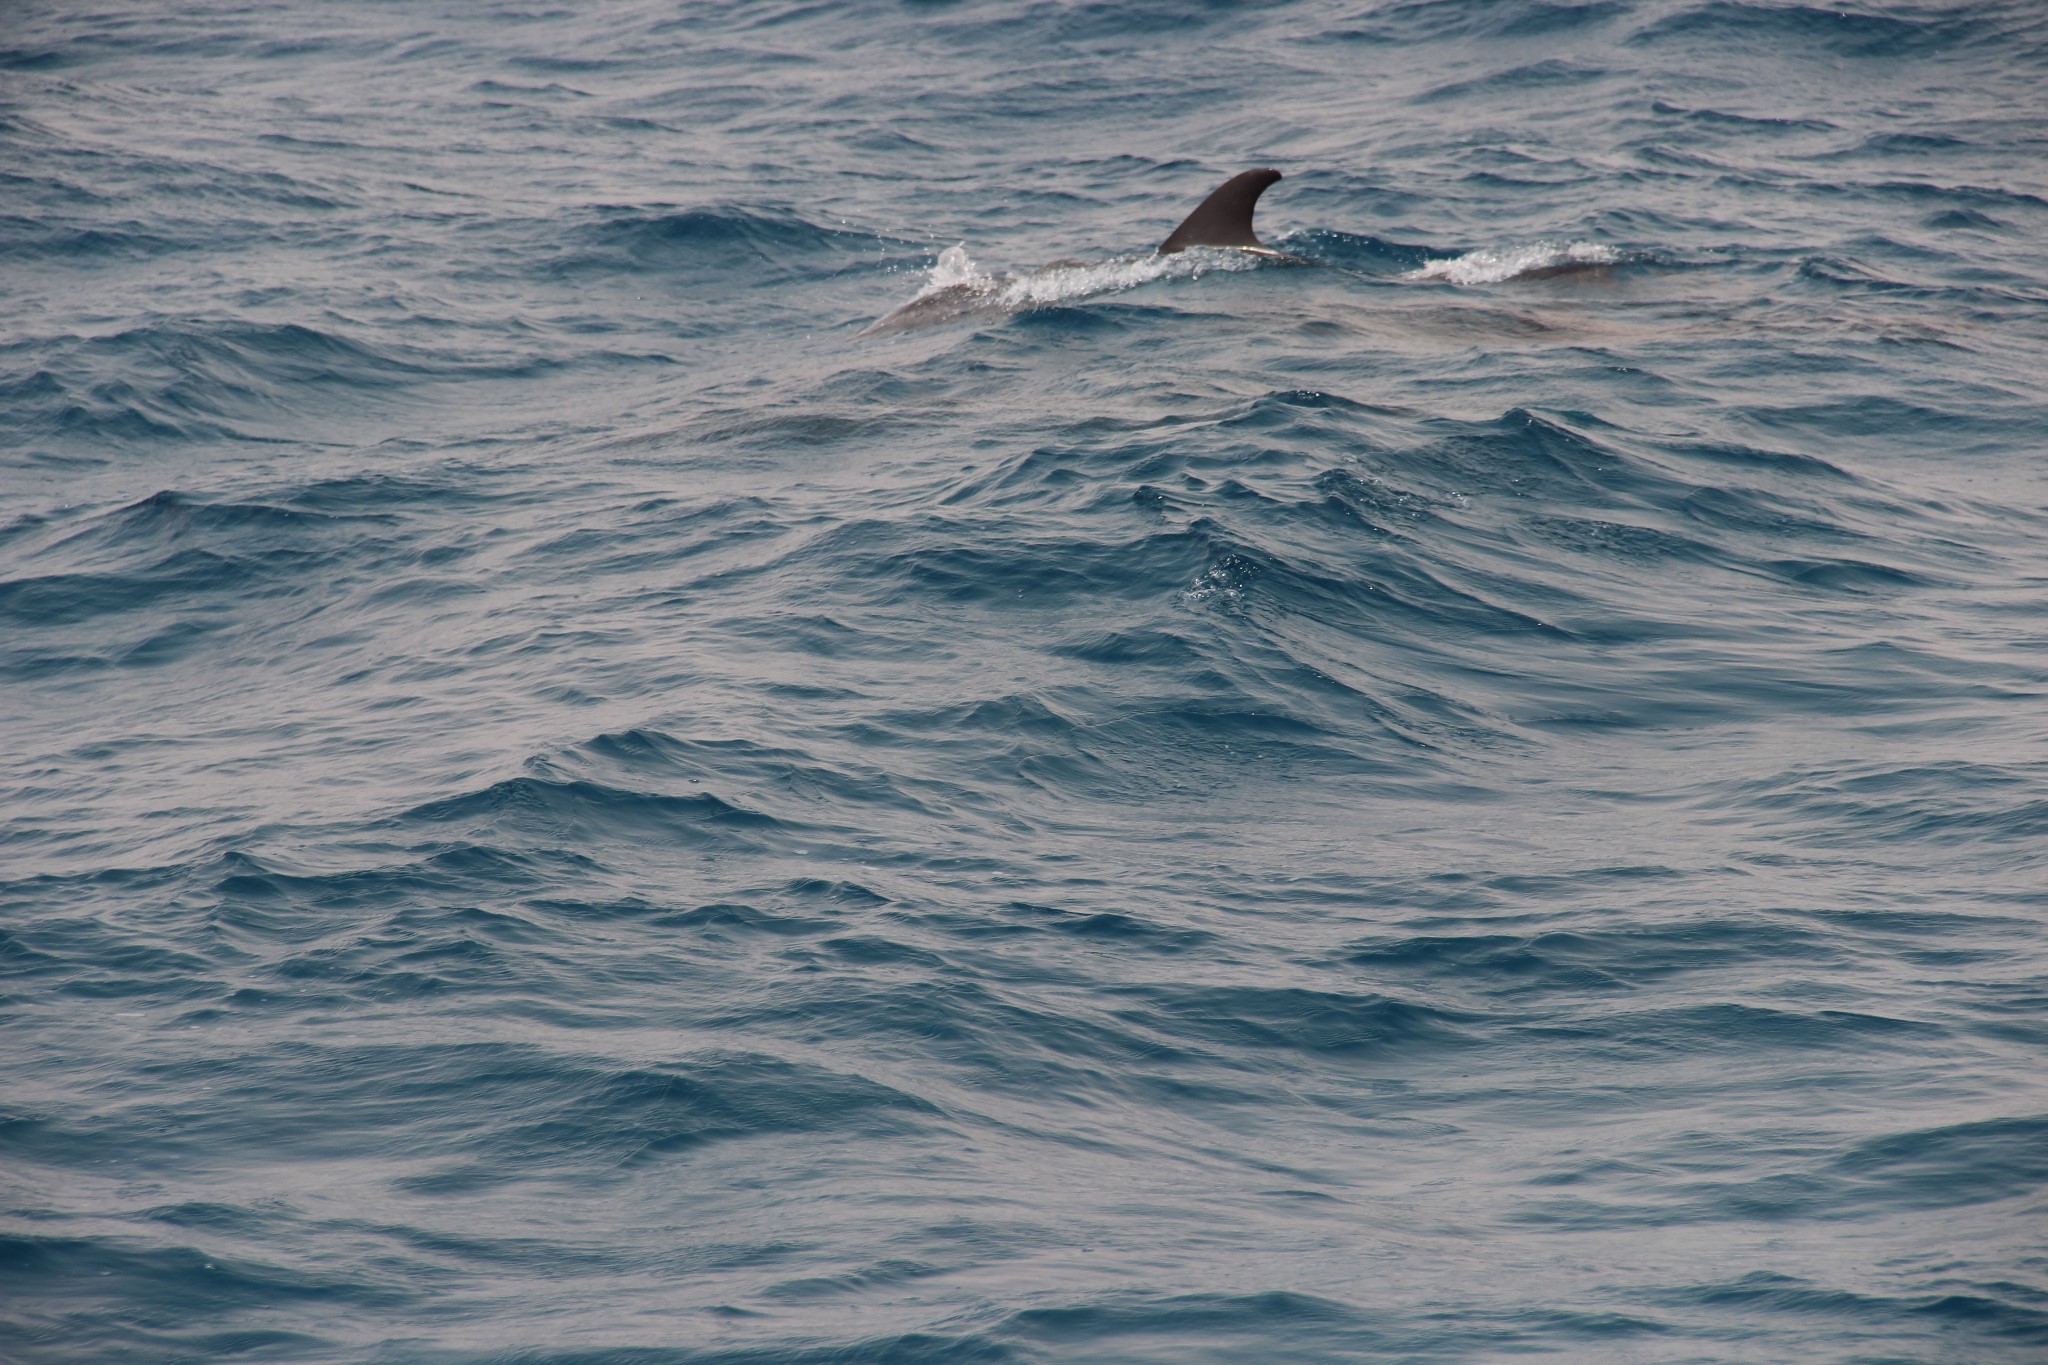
pixel 557 806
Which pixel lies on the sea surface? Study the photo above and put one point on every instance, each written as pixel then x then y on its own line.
pixel 1475 791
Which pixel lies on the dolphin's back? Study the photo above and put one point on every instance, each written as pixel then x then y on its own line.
pixel 1225 217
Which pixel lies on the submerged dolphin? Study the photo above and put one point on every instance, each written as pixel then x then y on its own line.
pixel 1224 219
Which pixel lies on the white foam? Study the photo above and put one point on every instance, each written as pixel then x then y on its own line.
pixel 955 286
pixel 1072 283
pixel 1492 266
pixel 1068 283
pixel 955 267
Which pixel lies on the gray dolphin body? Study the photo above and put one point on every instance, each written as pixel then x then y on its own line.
pixel 1224 219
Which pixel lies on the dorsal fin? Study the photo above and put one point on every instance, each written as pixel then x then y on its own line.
pixel 1225 217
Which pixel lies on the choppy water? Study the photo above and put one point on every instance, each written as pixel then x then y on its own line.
pixel 556 806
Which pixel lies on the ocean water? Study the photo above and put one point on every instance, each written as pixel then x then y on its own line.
pixel 1476 793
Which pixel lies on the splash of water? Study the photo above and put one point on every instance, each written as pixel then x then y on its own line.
pixel 1055 284
pixel 1493 266
pixel 1073 282
pixel 955 267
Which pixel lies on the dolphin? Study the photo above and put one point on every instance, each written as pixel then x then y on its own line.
pixel 1224 219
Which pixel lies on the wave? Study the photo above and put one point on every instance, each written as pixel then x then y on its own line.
pixel 194 380
pixel 582 811
pixel 1822 1178
pixel 740 243
pixel 1460 20
pixel 1849 33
